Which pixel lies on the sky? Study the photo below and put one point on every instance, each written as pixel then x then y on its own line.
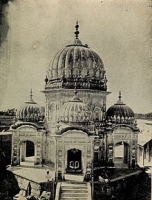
pixel 118 31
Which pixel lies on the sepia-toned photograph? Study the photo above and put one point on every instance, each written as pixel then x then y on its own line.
pixel 75 100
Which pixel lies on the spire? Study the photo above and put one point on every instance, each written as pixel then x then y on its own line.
pixel 46 79
pixel 75 92
pixel 75 97
pixel 119 96
pixel 77 31
pixel 76 40
pixel 31 98
pixel 120 102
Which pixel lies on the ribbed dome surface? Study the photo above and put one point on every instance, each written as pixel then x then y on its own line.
pixel 120 112
pixel 77 65
pixel 30 112
pixel 76 61
pixel 74 111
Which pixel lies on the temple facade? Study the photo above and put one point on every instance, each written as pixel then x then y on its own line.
pixel 76 128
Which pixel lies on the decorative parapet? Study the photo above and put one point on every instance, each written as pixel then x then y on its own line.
pixel 79 83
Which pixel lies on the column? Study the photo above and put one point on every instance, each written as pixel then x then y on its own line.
pixel 23 151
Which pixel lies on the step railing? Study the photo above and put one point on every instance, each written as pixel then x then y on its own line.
pixel 89 191
pixel 57 193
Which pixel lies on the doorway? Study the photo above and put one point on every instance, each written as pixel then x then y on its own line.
pixel 27 153
pixel 29 149
pixel 74 161
pixel 121 154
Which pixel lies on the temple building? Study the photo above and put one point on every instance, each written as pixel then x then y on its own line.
pixel 123 136
pixel 28 134
pixel 76 129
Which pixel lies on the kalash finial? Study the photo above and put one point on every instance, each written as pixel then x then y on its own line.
pixel 31 95
pixel 77 30
pixel 75 97
pixel 120 95
pixel 75 92
pixel 120 102
pixel 31 98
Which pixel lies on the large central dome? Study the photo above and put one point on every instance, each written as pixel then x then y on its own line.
pixel 77 66
pixel 75 61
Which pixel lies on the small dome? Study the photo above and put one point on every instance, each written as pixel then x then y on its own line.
pixel 77 65
pixel 30 112
pixel 74 111
pixel 120 112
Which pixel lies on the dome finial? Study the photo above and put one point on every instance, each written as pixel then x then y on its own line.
pixel 46 79
pixel 75 90
pixel 77 31
pixel 120 95
pixel 31 96
pixel 31 101
pixel 75 97
pixel 119 102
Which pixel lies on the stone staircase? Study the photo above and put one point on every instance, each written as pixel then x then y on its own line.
pixel 74 191
pixel 121 165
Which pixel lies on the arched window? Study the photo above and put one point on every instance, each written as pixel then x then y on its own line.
pixel 97 114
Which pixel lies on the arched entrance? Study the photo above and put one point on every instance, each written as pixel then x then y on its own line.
pixel 29 149
pixel 74 161
pixel 27 153
pixel 121 154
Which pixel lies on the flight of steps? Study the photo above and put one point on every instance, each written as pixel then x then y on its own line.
pixel 121 165
pixel 74 191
